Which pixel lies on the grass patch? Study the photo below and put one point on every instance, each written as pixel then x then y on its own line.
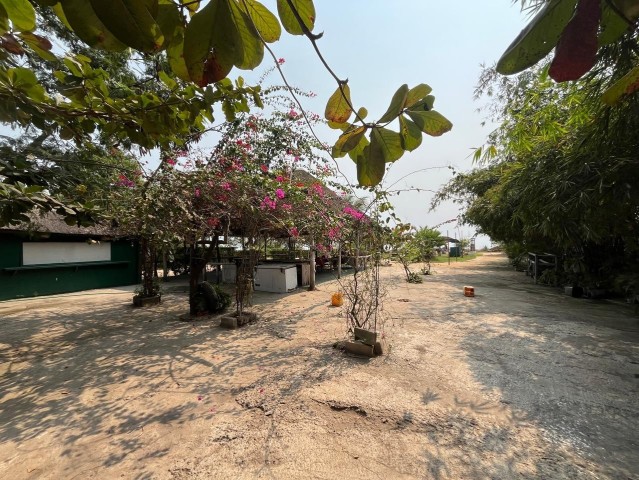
pixel 465 258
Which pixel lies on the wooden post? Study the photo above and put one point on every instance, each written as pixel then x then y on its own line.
pixel 339 260
pixel 311 257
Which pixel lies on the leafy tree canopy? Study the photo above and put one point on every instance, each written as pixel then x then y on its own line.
pixel 148 73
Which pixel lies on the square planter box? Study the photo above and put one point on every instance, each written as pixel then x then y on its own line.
pixel 146 301
pixel 233 321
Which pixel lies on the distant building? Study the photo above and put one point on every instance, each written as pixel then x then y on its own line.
pixel 46 256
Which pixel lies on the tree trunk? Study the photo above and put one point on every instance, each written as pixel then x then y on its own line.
pixel 311 257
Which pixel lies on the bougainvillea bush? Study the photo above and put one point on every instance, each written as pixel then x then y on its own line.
pixel 264 178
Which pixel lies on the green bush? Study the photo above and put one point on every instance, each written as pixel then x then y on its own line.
pixel 210 298
pixel 414 278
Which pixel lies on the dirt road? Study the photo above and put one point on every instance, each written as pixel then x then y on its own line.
pixel 518 382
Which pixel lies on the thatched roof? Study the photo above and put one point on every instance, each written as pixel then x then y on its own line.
pixel 53 223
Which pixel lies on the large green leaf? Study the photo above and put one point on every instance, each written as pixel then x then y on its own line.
pixel 305 10
pixel 612 25
pixel 431 122
pixel 370 167
pixel 347 141
pixel 170 20
pixel 626 85
pixel 21 13
pixel 132 22
pixel 24 79
pixel 425 103
pixel 249 46
pixel 538 38
pixel 200 39
pixel 358 150
pixel 417 93
pixel 191 5
pixel 4 20
pixel 264 21
pixel 387 143
pixel 411 134
pixel 41 45
pixel 338 108
pixel 396 105
pixel 80 17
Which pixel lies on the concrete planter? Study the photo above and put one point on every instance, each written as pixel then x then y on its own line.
pixel 367 343
pixel 234 320
pixel 139 301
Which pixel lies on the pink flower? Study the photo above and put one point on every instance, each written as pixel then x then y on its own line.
pixel 318 189
pixel 197 192
pixel 294 232
pixel 280 178
pixel 356 214
pixel 226 186
pixel 280 61
pixel 292 113
pixel 280 193
pixel 213 222
pixel 264 168
pixel 268 203
pixel 123 181
pixel 171 161
pixel 286 206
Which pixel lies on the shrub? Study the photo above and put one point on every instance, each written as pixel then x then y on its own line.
pixel 414 278
pixel 210 298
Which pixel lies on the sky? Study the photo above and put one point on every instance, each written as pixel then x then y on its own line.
pixel 380 45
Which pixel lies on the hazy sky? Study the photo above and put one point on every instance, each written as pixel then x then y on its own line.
pixel 379 45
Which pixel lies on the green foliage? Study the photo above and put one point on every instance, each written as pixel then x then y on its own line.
pixel 413 277
pixel 560 177
pixel 414 110
pixel 210 299
pixel 580 32
pixel 193 46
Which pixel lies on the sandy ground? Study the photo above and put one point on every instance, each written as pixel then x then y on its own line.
pixel 518 382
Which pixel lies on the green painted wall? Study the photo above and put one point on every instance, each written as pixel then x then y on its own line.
pixel 61 279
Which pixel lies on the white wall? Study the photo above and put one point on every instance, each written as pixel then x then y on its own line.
pixel 39 253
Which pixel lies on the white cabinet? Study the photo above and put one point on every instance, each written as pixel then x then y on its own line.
pixel 278 278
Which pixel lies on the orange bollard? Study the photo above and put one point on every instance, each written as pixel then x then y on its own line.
pixel 337 299
pixel 469 291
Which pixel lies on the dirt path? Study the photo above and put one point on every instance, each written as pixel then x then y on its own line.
pixel 518 382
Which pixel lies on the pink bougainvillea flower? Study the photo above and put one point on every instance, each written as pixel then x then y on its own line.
pixel 213 222
pixel 171 161
pixel 294 232
pixel 197 192
pixel 292 113
pixel 123 181
pixel 281 61
pixel 318 189
pixel 268 203
pixel 280 178
pixel 356 214
pixel 199 398
pixel 286 206
pixel 226 186
pixel 279 193
pixel 264 168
